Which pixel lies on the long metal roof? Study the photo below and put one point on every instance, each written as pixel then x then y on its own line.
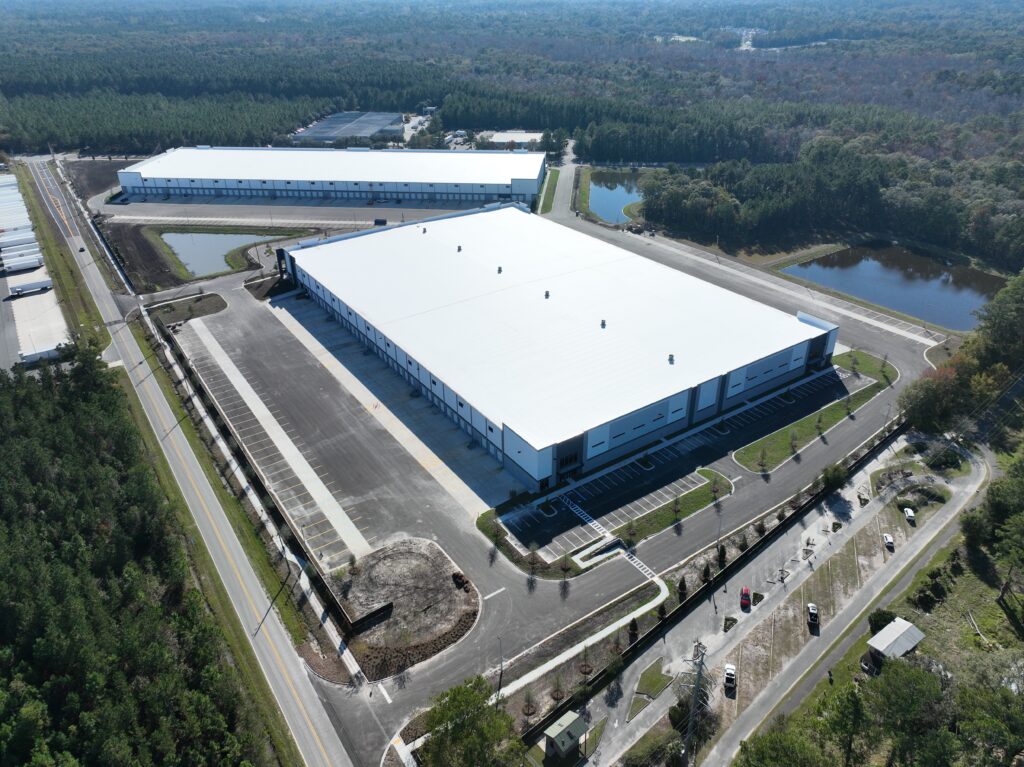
pixel 464 295
pixel 381 166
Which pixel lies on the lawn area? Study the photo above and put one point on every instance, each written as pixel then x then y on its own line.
pixel 667 515
pixel 776 446
pixel 593 738
pixel 635 209
pixel 583 194
pixel 75 301
pixel 208 581
pixel 247 533
pixel 653 680
pixel 487 524
pixel 549 191
pixel 638 704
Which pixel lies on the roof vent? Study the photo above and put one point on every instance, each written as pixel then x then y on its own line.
pixel 547 294
pixel 603 324
pixel 499 270
pixel 671 359
pixel 459 250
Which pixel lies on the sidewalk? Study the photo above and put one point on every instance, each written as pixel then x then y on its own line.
pixel 706 623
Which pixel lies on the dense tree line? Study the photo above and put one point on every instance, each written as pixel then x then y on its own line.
pixel 916 716
pixel 834 187
pixel 924 97
pixel 990 361
pixel 108 656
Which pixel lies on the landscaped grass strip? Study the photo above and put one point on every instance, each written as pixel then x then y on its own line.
pixel 776 446
pixel 549 192
pixel 667 515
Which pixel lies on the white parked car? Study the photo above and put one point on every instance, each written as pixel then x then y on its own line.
pixel 730 676
pixel 909 514
pixel 812 613
pixel 888 541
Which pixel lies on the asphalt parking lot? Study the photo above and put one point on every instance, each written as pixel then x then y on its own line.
pixel 631 490
pixel 307 433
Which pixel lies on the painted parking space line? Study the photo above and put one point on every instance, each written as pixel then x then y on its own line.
pixel 494 593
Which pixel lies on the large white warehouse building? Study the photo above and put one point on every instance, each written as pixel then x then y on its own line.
pixel 357 174
pixel 556 351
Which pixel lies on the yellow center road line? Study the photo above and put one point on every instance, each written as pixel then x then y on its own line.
pixel 157 414
pixel 238 576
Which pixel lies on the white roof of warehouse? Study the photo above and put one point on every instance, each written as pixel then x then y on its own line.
pixel 381 166
pixel 544 367
pixel 503 137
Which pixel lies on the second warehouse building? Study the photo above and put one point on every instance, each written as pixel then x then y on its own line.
pixel 554 350
pixel 428 176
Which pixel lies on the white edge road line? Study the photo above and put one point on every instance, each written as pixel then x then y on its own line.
pixel 494 593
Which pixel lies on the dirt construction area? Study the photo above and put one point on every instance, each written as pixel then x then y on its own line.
pixel 145 264
pixel 90 177
pixel 413 600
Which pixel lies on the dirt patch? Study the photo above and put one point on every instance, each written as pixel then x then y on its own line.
pixel 90 177
pixel 142 261
pixel 188 308
pixel 412 603
pixel 326 664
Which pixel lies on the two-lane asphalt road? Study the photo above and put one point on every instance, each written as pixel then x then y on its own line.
pixel 310 726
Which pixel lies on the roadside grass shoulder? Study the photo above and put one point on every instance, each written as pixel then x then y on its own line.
pixel 76 303
pixel 777 446
pixel 247 533
pixel 667 515
pixel 209 583
pixel 549 191
pixel 583 193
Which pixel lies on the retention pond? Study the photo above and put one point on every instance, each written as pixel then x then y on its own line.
pixel 611 191
pixel 908 282
pixel 204 254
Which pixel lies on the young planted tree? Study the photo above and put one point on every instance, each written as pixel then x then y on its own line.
pixel 762 460
pixel 557 688
pixel 529 703
pixel 819 423
pixel 793 441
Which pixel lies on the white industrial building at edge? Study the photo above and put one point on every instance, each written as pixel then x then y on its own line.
pixel 554 350
pixel 398 175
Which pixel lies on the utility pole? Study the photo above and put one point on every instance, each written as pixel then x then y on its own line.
pixel 698 660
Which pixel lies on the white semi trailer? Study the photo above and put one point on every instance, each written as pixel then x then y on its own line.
pixel 21 263
pixel 32 287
